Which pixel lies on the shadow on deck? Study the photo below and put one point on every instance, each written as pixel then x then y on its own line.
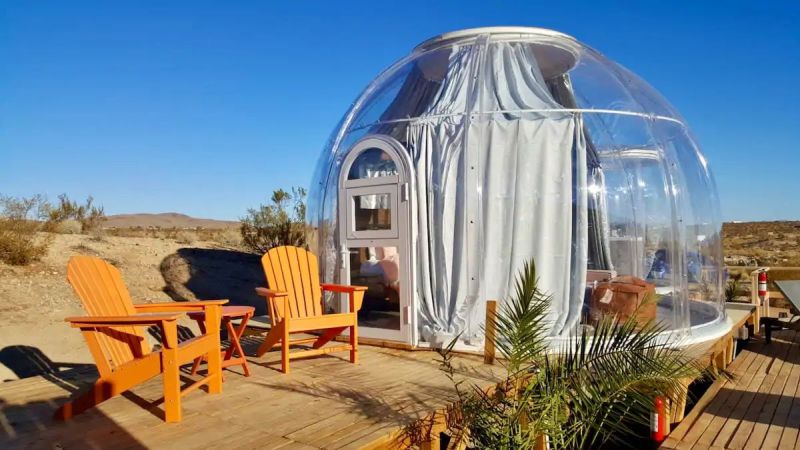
pixel 325 402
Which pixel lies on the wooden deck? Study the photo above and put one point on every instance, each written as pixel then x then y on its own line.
pixel 759 408
pixel 325 402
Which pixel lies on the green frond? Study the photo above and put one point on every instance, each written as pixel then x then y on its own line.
pixel 521 327
pixel 597 388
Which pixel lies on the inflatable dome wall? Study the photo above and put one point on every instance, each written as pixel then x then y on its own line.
pixel 485 148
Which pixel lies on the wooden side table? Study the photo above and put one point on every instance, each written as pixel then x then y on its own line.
pixel 234 333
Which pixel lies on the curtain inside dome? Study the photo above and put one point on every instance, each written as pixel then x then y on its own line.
pixel 528 145
pixel 495 190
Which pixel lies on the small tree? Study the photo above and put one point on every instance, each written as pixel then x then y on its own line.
pixel 282 222
pixel 20 220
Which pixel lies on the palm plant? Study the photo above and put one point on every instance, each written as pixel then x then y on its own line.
pixel 594 390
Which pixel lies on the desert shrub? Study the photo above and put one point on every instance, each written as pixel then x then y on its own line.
pixel 282 222
pixel 97 234
pixel 133 232
pixel 20 222
pixel 87 214
pixel 185 237
pixel 229 237
pixel 68 226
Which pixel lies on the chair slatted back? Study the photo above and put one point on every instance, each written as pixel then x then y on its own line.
pixel 294 270
pixel 102 292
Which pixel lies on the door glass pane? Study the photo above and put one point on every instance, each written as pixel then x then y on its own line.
pixel 372 212
pixel 372 163
pixel 377 268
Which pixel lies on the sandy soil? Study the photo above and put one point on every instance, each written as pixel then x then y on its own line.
pixel 35 300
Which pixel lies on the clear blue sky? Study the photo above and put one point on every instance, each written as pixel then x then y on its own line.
pixel 205 107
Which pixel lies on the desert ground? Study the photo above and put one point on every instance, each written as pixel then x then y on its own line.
pixel 172 257
pixel 34 300
pixel 762 243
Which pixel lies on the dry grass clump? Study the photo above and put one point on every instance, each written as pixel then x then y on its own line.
pixel 69 226
pixel 19 243
pixel 134 232
pixel 227 237
pixel 185 237
pixel 149 232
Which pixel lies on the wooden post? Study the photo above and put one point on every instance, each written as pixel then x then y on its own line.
pixel 488 345
pixel 678 409
pixel 756 301
pixel 729 348
pixel 720 359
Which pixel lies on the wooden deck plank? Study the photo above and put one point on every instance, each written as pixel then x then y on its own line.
pixel 745 424
pixel 740 395
pixel 768 431
pixel 724 399
pixel 343 437
pixel 770 395
pixel 677 435
pixel 370 435
pixel 789 437
pixel 325 403
pixel 760 408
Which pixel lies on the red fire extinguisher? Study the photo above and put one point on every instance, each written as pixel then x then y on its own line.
pixel 658 421
pixel 762 292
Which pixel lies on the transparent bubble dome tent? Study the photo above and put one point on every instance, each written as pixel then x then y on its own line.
pixel 488 147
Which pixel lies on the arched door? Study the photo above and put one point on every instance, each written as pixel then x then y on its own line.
pixel 374 236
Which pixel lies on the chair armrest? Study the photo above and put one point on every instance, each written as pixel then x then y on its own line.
pixel 356 294
pixel 168 323
pixel 270 293
pixel 277 302
pixel 177 306
pixel 345 289
pixel 120 321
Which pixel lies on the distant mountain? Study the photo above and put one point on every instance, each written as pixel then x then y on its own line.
pixel 164 220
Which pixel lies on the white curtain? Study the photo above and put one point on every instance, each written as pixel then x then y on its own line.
pixel 495 190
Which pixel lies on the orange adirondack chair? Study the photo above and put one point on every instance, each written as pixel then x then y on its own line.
pixel 294 299
pixel 113 332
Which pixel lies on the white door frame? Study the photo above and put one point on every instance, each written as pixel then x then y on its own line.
pixel 400 190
